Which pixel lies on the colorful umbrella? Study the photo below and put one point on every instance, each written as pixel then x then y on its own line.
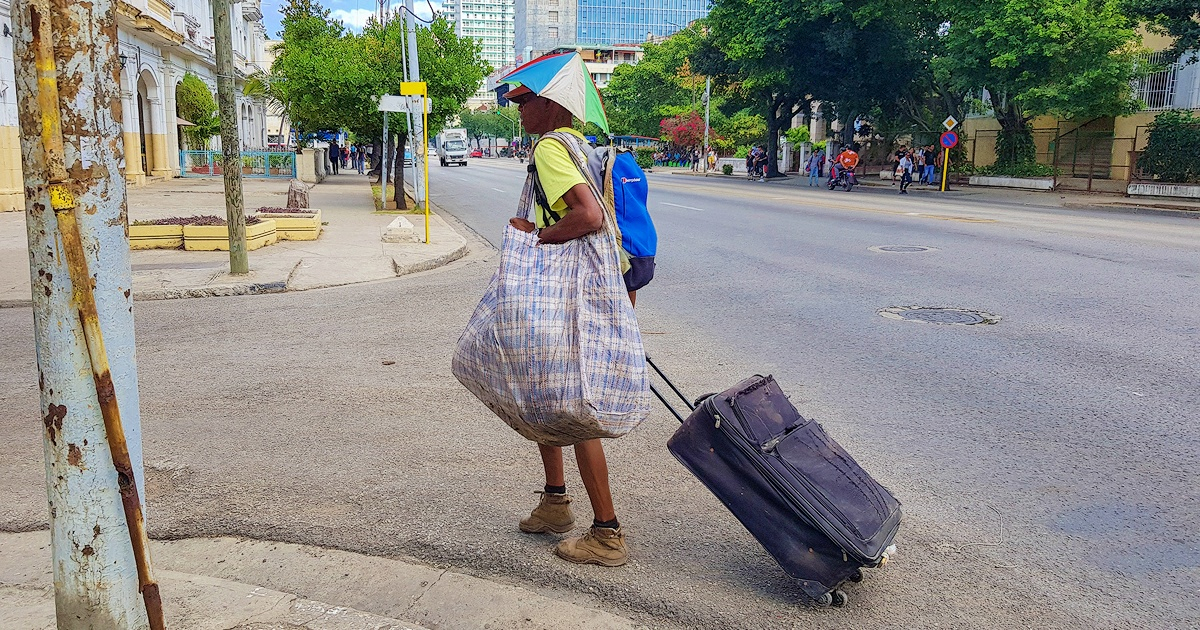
pixel 564 79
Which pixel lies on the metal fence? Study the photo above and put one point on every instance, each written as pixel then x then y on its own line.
pixel 276 164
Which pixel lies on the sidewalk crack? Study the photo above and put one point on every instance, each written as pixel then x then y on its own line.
pixel 427 589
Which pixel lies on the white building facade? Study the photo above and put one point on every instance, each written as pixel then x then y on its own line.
pixel 159 41
pixel 490 22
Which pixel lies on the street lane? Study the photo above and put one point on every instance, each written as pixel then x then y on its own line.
pixel 1046 463
pixel 1071 424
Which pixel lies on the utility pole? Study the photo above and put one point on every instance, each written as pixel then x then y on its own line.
pixel 420 149
pixel 707 97
pixel 73 161
pixel 231 149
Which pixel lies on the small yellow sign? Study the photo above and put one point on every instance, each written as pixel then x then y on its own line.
pixel 950 123
pixel 413 88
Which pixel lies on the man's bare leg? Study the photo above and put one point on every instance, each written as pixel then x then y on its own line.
pixel 633 298
pixel 553 512
pixel 552 461
pixel 593 468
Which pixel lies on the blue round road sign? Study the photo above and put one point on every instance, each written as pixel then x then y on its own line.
pixel 949 139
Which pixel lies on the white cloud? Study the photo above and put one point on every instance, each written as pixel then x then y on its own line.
pixel 357 18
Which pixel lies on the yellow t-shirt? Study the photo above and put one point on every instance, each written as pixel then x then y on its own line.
pixel 558 174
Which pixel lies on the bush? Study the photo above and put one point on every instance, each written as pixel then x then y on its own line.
pixel 1024 169
pixel 644 157
pixel 742 152
pixel 819 146
pixel 1173 149
pixel 727 169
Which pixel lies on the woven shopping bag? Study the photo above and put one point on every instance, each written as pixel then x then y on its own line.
pixel 553 348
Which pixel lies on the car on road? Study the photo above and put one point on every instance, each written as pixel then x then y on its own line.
pixel 476 153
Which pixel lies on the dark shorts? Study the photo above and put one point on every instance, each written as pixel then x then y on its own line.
pixel 641 271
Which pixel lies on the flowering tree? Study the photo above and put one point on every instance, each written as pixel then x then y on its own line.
pixel 685 130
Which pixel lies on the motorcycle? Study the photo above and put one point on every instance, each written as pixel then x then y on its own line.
pixel 845 179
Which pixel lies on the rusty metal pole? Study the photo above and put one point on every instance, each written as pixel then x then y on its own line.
pixel 68 99
pixel 230 145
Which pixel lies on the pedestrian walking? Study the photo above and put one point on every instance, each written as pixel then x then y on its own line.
pixel 931 158
pixel 335 156
pixel 906 167
pixel 568 208
pixel 815 162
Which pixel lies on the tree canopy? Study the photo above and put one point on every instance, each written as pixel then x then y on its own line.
pixel 195 104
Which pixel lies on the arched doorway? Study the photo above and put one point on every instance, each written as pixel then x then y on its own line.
pixel 143 123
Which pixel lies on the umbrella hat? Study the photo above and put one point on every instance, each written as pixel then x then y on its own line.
pixel 564 79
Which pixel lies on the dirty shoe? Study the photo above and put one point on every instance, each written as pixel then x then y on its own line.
pixel 599 545
pixel 552 514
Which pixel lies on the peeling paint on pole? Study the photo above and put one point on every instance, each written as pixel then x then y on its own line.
pixel 95 574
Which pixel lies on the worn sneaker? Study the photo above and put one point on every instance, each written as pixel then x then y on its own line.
pixel 552 514
pixel 599 545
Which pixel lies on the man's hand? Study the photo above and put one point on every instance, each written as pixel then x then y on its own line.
pixel 522 224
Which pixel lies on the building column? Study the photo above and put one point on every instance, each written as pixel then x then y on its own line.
pixel 134 176
pixel 172 128
pixel 158 163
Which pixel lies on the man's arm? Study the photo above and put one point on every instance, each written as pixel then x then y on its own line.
pixel 584 216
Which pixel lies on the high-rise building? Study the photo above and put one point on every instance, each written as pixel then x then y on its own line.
pixel 631 21
pixel 545 25
pixel 490 22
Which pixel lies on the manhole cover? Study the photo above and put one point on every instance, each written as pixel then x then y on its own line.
pixel 935 315
pixel 901 249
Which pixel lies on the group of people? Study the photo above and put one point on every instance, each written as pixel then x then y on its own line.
pixel 924 161
pixel 678 157
pixel 353 156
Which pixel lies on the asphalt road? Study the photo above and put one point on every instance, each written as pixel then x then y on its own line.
pixel 1047 463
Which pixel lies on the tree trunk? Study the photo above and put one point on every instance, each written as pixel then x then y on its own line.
pixel 376 162
pixel 401 200
pixel 1014 144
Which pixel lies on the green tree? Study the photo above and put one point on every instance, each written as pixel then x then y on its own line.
pixel 195 104
pixel 660 86
pixel 1173 148
pixel 487 123
pixel 1071 58
pixel 330 79
pixel 1178 18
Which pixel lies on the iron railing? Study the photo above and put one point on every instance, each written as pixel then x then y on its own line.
pixel 270 164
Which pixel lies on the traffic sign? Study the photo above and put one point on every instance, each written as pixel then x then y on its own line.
pixel 950 123
pixel 949 139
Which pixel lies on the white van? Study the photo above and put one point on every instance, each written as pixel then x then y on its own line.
pixel 452 146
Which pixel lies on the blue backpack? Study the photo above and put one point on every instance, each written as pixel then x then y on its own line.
pixel 625 187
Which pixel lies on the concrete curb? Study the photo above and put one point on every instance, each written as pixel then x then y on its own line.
pixel 239 584
pixel 433 263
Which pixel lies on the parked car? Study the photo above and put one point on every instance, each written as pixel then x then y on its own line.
pixel 476 153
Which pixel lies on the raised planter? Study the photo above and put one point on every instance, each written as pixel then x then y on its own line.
pixel 209 238
pixel 1183 191
pixel 303 225
pixel 155 236
pixel 1027 183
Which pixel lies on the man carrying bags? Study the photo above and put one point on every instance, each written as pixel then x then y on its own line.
pixel 561 367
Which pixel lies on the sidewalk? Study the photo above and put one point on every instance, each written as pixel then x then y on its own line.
pixel 232 584
pixel 1069 199
pixel 349 250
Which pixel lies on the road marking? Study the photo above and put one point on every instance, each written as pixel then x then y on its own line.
pixel 497 190
pixel 667 203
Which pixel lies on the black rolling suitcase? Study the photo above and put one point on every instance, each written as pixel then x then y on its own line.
pixel 809 504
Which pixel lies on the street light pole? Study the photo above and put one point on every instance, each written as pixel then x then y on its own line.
pixel 420 154
pixel 707 98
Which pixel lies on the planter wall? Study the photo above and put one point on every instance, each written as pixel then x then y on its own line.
pixel 295 226
pixel 209 238
pixel 155 236
pixel 1184 191
pixel 1027 183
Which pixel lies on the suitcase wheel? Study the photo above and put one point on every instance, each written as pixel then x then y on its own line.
pixel 835 598
pixel 857 576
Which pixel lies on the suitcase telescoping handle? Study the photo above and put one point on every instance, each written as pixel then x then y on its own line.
pixel 657 393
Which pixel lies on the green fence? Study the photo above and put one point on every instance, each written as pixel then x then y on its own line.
pixel 276 164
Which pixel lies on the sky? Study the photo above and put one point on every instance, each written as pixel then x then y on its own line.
pixel 353 13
